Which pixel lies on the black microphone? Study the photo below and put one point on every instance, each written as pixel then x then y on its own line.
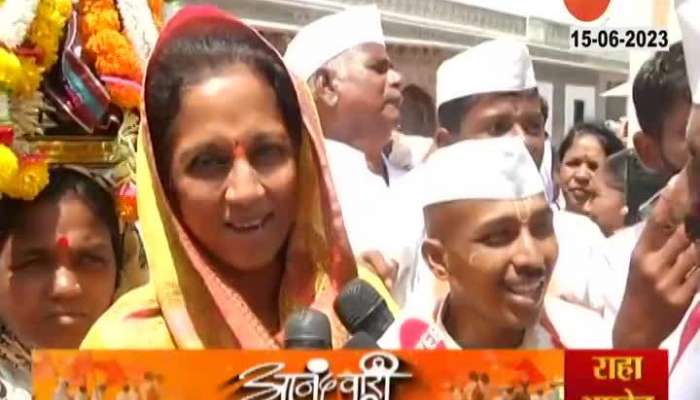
pixel 361 341
pixel 361 309
pixel 308 329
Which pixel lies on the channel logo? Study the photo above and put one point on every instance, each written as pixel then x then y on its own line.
pixel 587 10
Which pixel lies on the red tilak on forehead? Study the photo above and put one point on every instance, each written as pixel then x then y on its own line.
pixel 62 242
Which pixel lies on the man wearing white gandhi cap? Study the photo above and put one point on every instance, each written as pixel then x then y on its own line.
pixel 490 91
pixel 489 236
pixel 344 61
pixel 504 101
pixel 343 58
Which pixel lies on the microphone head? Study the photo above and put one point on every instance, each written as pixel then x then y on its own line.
pixel 361 308
pixel 361 340
pixel 308 329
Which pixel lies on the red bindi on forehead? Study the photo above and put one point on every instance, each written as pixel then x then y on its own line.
pixel 62 242
pixel 63 249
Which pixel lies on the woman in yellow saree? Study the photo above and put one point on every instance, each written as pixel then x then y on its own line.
pixel 240 221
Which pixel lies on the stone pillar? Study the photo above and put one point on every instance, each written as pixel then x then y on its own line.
pixel 417 64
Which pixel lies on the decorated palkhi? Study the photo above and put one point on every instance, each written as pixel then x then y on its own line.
pixel 70 87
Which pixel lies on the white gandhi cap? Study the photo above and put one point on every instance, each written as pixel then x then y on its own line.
pixel 688 12
pixel 481 169
pixel 500 65
pixel 324 39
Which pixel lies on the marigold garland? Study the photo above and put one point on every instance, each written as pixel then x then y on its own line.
pixel 31 178
pixel 125 196
pixel 8 167
pixel 125 96
pixel 16 17
pixel 10 70
pixel 21 75
pixel 157 9
pixel 96 16
pixel 112 53
pixel 116 58
pixel 47 29
pixel 31 78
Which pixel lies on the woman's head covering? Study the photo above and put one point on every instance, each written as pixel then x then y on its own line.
pixel 187 288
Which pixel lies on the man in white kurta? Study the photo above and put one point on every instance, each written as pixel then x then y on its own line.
pixel 490 239
pixel 672 325
pixel 662 102
pixel 343 59
pixel 684 381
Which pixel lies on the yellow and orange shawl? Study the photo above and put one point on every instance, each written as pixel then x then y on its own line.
pixel 186 305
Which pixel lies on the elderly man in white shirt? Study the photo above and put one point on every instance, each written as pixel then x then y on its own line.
pixel 343 59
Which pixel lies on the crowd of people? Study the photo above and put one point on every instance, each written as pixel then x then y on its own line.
pixel 480 387
pixel 266 182
pixel 147 388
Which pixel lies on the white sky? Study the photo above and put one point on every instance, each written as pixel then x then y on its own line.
pixel 628 13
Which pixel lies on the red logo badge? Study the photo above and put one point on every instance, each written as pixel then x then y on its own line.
pixel 616 374
pixel 587 10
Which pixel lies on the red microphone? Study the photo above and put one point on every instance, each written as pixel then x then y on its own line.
pixel 361 309
pixel 412 332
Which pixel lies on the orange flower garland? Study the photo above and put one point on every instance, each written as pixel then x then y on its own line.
pixel 23 176
pixel 115 57
pixel 94 17
pixel 111 51
pixel 45 34
pixel 157 8
pixel 126 202
pixel 31 178
pixel 47 29
pixel 9 165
